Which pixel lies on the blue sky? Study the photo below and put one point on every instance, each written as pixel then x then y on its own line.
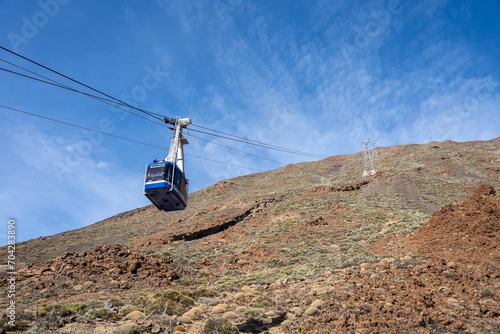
pixel 315 76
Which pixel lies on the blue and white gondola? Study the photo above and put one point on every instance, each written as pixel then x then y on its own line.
pixel 166 186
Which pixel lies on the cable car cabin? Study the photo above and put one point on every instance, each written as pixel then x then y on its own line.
pixel 166 186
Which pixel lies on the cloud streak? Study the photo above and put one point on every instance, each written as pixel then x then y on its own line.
pixel 88 192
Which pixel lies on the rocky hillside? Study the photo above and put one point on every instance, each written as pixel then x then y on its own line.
pixel 467 232
pixel 307 248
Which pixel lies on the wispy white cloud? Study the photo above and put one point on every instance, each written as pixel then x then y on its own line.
pixel 128 11
pixel 336 103
pixel 47 175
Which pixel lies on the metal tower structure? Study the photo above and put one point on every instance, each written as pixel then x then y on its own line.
pixel 369 169
pixel 176 151
pixel 374 148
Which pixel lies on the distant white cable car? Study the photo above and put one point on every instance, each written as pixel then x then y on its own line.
pixel 165 183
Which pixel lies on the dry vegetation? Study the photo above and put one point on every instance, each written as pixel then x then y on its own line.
pixel 249 250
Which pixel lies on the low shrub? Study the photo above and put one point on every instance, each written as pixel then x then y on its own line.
pixel 101 313
pixel 221 326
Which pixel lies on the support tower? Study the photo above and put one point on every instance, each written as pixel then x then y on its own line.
pixel 369 169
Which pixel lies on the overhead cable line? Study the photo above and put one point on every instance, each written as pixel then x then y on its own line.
pixel 61 85
pixel 39 75
pixel 76 81
pixel 53 83
pixel 113 104
pixel 119 137
pixel 260 145
pixel 80 127
pixel 57 84
pixel 225 163
pixel 109 102
pixel 151 114
pixel 234 149
pixel 258 142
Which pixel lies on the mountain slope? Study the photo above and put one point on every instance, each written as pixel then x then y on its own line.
pixel 412 182
pixel 303 248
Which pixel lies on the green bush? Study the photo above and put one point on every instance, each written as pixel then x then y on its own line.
pixel 116 301
pixel 204 292
pixel 73 308
pixel 221 326
pixel 128 329
pixel 101 313
pixel 487 293
pixel 173 301
pixel 199 292
pixel 4 324
pixel 261 302
pixel 56 308
pixel 95 304
pixel 449 274
pixel 251 313
pixel 129 308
